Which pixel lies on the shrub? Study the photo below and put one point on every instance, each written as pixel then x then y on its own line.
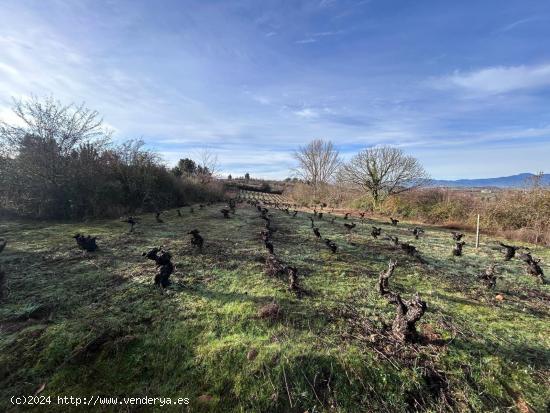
pixel 519 214
pixel 66 168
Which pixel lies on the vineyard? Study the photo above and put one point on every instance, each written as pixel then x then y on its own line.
pixel 263 197
pixel 231 335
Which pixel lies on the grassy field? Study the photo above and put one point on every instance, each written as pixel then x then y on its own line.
pixel 83 324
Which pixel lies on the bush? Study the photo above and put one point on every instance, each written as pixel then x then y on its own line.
pixel 73 172
pixel 519 214
pixel 333 195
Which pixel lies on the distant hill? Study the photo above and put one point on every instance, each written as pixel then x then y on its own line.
pixel 514 181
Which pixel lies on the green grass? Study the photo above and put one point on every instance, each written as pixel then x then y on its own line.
pixel 193 339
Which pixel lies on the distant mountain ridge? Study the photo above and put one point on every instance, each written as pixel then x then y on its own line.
pixel 513 181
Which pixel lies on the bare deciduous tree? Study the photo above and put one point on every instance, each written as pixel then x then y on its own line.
pixel 318 162
pixel 383 171
pixel 65 126
pixel 208 164
pixel 44 146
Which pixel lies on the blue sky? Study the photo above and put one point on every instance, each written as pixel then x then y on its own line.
pixel 462 85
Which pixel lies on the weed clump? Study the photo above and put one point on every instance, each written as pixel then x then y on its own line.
pixel 270 311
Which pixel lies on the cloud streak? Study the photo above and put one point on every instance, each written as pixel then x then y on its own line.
pixel 500 79
pixel 515 24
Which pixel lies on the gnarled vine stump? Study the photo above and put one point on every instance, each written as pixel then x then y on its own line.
pixel 408 314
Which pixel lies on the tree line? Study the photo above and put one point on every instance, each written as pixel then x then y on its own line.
pixel 58 161
pixel 378 171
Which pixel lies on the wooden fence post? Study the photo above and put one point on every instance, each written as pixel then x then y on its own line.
pixel 477 232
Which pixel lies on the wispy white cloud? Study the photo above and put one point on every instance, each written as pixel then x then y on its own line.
pixel 264 100
pixel 506 161
pixel 498 79
pixel 314 37
pixel 307 113
pixel 326 3
pixel 327 33
pixel 9 70
pixel 306 41
pixel 480 139
pixel 516 23
pixel 8 116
